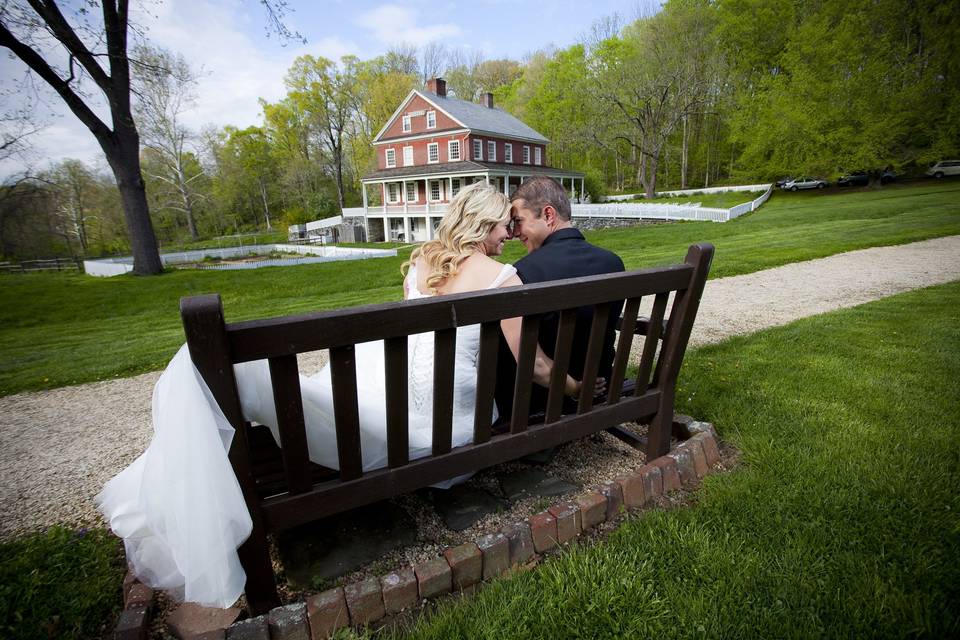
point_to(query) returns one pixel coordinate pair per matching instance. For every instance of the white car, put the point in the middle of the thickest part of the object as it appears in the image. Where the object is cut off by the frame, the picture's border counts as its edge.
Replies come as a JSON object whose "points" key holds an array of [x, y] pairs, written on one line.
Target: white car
{"points": [[804, 183], [945, 168]]}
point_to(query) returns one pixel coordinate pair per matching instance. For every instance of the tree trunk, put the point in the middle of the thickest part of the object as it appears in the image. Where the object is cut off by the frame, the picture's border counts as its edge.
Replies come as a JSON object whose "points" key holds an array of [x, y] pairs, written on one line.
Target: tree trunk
{"points": [[186, 199], [684, 153], [650, 180], [124, 159], [263, 198]]}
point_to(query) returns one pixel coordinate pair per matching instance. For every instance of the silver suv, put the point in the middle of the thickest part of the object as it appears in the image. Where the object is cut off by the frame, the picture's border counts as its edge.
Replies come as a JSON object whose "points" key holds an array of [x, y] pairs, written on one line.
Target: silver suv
{"points": [[945, 168]]}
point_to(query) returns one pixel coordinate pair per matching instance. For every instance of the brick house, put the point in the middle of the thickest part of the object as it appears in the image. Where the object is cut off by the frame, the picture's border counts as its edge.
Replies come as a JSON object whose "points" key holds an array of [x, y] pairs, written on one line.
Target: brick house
{"points": [[433, 146]]}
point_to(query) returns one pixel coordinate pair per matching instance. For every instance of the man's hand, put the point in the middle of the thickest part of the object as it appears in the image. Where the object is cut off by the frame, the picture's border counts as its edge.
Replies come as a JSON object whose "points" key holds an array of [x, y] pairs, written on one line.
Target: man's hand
{"points": [[600, 388]]}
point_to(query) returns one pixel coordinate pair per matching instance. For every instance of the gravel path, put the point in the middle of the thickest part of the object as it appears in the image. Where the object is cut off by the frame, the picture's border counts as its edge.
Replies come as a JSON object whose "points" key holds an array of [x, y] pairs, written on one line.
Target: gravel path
{"points": [[59, 447]]}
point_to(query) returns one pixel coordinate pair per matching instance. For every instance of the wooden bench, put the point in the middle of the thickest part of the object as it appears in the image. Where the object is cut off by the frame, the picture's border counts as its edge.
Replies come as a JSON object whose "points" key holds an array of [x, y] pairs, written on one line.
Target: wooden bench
{"points": [[289, 490]]}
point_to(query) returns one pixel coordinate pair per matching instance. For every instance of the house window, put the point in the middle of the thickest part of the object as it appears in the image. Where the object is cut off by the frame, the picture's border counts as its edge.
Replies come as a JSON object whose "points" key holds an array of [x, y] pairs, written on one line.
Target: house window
{"points": [[433, 153], [411, 192], [431, 119], [434, 191], [393, 192], [478, 149], [453, 150], [491, 150], [526, 154], [454, 186], [406, 124], [407, 156], [537, 155], [508, 152], [391, 158]]}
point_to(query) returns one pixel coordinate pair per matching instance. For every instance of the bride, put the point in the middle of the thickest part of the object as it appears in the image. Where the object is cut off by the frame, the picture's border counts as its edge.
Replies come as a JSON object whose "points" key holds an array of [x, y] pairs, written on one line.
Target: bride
{"points": [[178, 507]]}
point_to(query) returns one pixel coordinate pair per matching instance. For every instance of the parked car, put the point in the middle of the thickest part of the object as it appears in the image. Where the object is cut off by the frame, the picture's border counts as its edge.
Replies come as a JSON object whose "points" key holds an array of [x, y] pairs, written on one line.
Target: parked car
{"points": [[782, 181], [854, 180], [945, 168], [887, 176], [805, 183]]}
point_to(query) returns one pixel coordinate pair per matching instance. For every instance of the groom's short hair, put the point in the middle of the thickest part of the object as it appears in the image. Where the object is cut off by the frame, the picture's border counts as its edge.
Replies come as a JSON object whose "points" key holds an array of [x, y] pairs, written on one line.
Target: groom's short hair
{"points": [[539, 191]]}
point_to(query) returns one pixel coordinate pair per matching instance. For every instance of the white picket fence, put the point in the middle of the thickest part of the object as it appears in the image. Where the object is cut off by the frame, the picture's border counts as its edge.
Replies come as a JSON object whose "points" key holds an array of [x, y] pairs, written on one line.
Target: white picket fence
{"points": [[693, 211]]}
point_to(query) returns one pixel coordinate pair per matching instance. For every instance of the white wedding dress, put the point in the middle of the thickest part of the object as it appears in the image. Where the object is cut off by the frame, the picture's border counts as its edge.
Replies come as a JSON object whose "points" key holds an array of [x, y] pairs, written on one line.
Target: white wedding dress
{"points": [[178, 506]]}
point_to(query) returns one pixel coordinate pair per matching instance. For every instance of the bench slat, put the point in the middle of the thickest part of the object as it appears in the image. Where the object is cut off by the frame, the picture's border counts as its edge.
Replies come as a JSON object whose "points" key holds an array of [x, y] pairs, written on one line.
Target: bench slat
{"points": [[529, 331], [598, 327], [397, 399], [624, 343], [258, 339], [486, 380], [283, 512], [561, 364], [285, 380], [343, 371], [650, 342], [444, 354]]}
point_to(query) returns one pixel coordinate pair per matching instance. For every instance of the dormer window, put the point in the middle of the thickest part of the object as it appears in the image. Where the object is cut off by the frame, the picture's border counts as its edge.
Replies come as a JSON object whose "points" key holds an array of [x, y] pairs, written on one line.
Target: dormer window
{"points": [[391, 157], [453, 150], [491, 150], [433, 153], [407, 127], [526, 154], [431, 119], [478, 149], [537, 155], [508, 152]]}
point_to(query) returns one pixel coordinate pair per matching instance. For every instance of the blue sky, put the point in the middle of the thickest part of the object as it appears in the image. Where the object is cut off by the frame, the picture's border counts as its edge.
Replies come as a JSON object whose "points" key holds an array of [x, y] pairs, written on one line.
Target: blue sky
{"points": [[239, 63]]}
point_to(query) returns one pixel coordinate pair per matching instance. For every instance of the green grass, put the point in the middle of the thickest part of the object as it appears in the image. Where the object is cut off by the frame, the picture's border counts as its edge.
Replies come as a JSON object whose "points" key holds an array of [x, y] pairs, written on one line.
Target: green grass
{"points": [[842, 519], [60, 584], [61, 329], [724, 200]]}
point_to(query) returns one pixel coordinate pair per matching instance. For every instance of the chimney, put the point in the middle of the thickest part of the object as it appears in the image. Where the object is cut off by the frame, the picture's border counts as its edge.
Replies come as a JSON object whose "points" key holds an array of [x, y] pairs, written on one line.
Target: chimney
{"points": [[437, 86], [488, 100]]}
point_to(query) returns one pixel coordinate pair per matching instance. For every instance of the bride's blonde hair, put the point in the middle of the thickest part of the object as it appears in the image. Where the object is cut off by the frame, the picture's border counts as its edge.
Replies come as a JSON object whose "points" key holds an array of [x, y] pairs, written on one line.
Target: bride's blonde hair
{"points": [[472, 215]]}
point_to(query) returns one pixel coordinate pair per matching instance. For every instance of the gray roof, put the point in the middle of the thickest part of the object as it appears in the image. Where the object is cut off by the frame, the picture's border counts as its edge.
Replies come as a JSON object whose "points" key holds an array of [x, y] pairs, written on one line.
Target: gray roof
{"points": [[468, 166], [477, 117]]}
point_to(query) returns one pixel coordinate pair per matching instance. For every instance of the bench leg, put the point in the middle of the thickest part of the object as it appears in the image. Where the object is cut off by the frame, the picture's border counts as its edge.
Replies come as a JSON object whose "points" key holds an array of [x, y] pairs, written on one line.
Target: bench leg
{"points": [[658, 436], [261, 587]]}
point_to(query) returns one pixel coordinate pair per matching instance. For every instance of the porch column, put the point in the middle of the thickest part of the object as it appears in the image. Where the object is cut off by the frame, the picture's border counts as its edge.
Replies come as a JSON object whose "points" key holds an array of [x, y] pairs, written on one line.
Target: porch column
{"points": [[449, 194], [403, 195], [487, 176], [506, 185], [406, 228], [583, 189]]}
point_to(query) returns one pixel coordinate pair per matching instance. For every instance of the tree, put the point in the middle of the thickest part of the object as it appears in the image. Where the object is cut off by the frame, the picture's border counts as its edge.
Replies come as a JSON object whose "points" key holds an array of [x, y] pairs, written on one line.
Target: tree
{"points": [[29, 27], [326, 95], [649, 86], [164, 88]]}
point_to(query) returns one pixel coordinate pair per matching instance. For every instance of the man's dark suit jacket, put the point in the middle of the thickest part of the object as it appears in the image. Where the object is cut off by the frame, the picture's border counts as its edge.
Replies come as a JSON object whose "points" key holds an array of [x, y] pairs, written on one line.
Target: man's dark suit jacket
{"points": [[563, 254]]}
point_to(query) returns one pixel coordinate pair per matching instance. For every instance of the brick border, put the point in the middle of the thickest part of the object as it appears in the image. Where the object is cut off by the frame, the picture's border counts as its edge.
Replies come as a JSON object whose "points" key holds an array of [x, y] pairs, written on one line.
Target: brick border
{"points": [[464, 567]]}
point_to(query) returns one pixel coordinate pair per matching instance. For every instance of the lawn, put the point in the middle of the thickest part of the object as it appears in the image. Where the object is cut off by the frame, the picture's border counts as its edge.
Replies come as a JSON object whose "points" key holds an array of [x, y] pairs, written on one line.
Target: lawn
{"points": [[61, 329], [724, 200], [841, 520]]}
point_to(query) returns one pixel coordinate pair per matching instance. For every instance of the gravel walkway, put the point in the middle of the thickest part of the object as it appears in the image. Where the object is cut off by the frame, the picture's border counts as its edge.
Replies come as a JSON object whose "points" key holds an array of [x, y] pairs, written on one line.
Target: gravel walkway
{"points": [[59, 447]]}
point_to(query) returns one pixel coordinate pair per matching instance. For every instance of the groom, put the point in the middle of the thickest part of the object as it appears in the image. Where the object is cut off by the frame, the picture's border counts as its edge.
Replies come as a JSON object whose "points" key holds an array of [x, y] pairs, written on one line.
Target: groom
{"points": [[555, 251]]}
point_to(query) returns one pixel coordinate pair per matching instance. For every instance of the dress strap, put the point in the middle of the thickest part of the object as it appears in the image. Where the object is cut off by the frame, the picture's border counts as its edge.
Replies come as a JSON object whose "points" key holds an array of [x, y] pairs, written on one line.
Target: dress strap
{"points": [[507, 272]]}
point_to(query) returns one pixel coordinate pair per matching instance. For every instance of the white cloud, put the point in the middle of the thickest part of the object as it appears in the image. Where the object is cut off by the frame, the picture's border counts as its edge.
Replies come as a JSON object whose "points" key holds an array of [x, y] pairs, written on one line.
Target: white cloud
{"points": [[393, 24]]}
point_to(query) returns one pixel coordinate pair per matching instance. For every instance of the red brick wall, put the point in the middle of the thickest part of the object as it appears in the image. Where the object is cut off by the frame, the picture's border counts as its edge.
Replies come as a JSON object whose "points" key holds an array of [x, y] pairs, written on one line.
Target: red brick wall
{"points": [[418, 123], [517, 150], [420, 149]]}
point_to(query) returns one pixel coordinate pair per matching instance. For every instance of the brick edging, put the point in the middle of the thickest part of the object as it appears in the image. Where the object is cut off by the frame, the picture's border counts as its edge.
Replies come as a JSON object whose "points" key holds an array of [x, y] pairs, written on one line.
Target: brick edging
{"points": [[464, 567]]}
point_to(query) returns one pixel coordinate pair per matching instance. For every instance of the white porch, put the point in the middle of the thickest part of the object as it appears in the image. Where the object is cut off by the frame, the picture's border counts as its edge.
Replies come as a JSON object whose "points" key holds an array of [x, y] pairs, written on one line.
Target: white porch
{"points": [[404, 216]]}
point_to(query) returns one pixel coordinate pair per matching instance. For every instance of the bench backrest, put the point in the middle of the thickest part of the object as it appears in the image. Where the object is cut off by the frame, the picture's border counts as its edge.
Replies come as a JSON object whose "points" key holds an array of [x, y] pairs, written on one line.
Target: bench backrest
{"points": [[215, 346]]}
